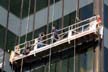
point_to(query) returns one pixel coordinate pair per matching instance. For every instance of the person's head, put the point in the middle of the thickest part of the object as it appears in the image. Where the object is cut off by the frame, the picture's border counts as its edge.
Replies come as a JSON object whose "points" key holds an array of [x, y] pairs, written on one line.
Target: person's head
{"points": [[53, 27], [99, 20], [98, 16], [40, 34], [27, 44], [17, 47], [43, 33]]}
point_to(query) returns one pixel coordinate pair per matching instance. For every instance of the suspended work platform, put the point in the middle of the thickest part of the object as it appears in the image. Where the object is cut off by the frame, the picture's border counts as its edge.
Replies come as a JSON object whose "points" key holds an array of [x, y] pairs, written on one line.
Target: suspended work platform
{"points": [[74, 34]]}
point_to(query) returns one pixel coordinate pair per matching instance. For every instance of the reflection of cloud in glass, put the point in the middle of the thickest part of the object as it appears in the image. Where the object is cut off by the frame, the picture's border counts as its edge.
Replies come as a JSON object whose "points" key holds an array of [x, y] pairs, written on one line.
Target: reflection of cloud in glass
{"points": [[105, 59], [1, 54], [1, 57], [105, 37], [106, 2]]}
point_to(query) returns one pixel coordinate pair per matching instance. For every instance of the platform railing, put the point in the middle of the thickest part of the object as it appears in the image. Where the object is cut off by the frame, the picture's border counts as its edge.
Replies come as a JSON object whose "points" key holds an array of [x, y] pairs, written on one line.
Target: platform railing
{"points": [[65, 32]]}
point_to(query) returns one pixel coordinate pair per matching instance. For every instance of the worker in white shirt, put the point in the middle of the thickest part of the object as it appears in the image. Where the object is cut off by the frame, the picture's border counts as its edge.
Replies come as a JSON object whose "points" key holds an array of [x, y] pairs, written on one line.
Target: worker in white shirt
{"points": [[94, 24]]}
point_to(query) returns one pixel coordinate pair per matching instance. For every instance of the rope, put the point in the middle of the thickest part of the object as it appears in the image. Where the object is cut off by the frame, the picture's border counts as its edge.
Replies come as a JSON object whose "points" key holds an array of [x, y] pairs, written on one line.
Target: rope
{"points": [[6, 35], [62, 25], [77, 11], [34, 19], [52, 39], [53, 13], [26, 33], [47, 27], [21, 69], [74, 54], [76, 19], [27, 25], [21, 11]]}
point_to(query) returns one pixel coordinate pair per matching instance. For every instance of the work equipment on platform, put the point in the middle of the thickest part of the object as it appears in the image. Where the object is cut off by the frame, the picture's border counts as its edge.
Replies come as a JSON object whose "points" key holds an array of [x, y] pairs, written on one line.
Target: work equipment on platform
{"points": [[66, 35]]}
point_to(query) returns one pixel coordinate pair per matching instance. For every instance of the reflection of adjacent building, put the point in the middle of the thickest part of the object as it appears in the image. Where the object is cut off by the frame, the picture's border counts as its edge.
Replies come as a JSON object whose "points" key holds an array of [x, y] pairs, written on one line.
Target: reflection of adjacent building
{"points": [[1, 57], [106, 35], [6, 61]]}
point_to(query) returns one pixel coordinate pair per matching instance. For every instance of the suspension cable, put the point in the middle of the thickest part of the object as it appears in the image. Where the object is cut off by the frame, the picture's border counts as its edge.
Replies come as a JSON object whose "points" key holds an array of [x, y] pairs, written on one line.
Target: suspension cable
{"points": [[48, 12], [27, 25], [53, 13], [52, 39], [6, 35], [77, 11], [47, 27], [22, 61], [62, 24], [34, 20], [21, 12], [74, 54], [76, 19]]}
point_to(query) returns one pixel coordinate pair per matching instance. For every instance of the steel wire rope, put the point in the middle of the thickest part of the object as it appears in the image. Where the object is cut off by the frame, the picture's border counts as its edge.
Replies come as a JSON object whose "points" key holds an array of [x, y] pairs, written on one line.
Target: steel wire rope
{"points": [[28, 18], [20, 28], [33, 36], [94, 48], [21, 12], [27, 28], [51, 39], [76, 19], [62, 24], [33, 32], [47, 27], [48, 13], [53, 13]]}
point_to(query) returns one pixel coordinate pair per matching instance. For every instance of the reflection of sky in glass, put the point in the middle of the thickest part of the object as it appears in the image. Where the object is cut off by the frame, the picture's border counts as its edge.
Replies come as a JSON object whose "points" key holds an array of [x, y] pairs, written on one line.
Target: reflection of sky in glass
{"points": [[106, 2], [1, 55], [106, 24], [105, 37], [86, 61]]}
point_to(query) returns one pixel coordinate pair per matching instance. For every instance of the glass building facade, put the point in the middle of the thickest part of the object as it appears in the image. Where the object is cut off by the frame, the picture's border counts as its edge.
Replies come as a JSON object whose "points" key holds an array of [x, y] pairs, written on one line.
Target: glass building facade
{"points": [[105, 36]]}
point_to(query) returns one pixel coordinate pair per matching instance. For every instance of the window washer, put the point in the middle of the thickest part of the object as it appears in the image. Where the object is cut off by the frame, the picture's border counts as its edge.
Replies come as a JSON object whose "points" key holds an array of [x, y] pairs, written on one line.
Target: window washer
{"points": [[40, 40], [94, 24], [55, 35], [27, 48], [17, 50]]}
